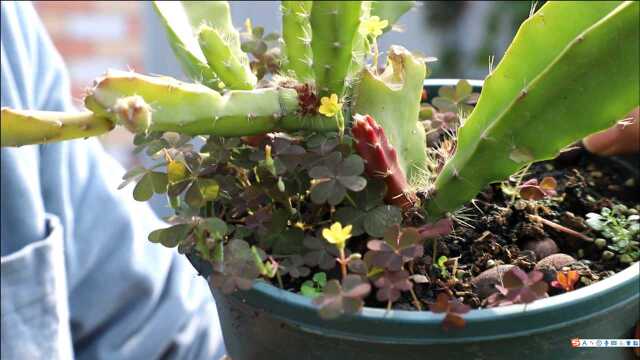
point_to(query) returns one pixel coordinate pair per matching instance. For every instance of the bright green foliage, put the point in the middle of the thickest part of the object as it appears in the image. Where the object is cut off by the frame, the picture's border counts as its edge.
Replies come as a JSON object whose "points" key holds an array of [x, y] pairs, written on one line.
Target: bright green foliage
{"points": [[296, 33], [393, 100], [334, 25], [313, 288], [559, 81]]}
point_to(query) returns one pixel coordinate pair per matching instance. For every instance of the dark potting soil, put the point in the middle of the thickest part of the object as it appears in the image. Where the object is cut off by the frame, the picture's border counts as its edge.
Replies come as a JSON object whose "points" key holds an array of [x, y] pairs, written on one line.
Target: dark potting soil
{"points": [[496, 229]]}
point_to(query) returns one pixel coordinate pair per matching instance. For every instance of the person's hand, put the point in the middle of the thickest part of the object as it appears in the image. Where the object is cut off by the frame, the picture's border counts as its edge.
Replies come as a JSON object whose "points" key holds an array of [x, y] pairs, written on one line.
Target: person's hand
{"points": [[622, 138]]}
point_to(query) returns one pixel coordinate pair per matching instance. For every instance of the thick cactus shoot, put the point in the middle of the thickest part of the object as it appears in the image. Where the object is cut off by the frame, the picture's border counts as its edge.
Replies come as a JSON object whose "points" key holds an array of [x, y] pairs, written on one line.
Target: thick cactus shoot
{"points": [[393, 99], [334, 25], [296, 34], [26, 127], [381, 160], [184, 43], [234, 71], [559, 79]]}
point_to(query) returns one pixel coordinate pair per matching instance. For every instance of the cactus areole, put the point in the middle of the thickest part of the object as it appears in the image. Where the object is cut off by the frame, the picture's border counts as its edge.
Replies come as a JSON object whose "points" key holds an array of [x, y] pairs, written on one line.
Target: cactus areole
{"points": [[319, 167]]}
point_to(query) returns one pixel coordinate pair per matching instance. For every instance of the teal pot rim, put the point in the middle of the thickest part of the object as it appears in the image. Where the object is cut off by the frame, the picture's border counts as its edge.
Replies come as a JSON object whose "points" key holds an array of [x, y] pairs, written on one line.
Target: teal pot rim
{"points": [[425, 327], [413, 327]]}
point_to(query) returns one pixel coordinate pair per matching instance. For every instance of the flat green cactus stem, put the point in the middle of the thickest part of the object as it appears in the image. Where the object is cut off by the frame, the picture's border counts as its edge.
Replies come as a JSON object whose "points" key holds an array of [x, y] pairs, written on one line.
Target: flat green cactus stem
{"points": [[334, 25], [296, 33], [393, 99], [570, 71], [195, 109], [390, 10], [26, 127]]}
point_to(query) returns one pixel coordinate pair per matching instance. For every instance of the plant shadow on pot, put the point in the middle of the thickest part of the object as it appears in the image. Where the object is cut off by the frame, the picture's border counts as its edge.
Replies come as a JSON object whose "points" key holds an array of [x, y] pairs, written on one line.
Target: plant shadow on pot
{"points": [[270, 323]]}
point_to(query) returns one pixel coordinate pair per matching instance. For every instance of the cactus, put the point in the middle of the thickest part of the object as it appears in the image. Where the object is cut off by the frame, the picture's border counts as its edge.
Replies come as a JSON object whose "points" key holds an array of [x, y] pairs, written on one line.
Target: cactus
{"points": [[183, 43], [232, 69], [393, 100], [195, 109], [381, 160], [296, 33], [334, 25], [390, 10], [548, 84], [24, 127], [218, 40]]}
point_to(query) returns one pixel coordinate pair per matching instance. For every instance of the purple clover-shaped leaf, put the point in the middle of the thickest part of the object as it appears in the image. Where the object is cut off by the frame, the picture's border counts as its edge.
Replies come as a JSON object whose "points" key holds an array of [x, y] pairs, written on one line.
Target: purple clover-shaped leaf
{"points": [[335, 176], [320, 253], [294, 266], [398, 247], [519, 287], [532, 190], [391, 284], [452, 308], [240, 269], [345, 298]]}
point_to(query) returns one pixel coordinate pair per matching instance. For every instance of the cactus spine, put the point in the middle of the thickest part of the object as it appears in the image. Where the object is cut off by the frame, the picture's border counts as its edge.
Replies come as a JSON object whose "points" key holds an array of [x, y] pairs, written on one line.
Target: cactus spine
{"points": [[548, 83], [296, 33]]}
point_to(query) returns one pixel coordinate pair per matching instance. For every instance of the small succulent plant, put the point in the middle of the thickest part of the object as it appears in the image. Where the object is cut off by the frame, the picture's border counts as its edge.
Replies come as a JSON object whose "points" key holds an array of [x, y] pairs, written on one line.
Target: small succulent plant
{"points": [[620, 227]]}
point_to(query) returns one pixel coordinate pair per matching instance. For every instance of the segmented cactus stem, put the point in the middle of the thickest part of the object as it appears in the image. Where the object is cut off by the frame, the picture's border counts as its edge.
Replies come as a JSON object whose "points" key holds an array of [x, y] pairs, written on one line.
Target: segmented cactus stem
{"points": [[334, 25], [296, 33], [26, 127]]}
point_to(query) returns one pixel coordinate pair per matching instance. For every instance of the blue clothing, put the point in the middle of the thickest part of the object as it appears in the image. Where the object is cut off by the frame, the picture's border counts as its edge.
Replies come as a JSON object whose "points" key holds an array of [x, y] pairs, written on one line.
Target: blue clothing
{"points": [[79, 278]]}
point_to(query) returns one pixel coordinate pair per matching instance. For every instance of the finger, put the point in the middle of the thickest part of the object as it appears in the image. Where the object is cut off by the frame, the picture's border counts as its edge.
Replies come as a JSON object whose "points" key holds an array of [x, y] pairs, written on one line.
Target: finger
{"points": [[622, 138]]}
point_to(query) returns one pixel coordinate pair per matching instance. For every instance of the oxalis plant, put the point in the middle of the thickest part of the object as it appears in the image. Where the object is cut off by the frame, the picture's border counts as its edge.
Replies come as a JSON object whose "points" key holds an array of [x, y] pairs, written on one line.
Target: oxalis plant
{"points": [[310, 157]]}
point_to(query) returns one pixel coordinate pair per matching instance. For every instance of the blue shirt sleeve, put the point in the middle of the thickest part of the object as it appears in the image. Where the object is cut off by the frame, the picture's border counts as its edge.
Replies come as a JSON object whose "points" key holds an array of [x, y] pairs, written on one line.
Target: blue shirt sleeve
{"points": [[127, 298]]}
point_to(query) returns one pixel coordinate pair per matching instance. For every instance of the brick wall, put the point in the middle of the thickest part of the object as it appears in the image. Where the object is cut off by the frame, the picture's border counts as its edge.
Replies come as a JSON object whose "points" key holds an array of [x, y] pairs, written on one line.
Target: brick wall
{"points": [[93, 36]]}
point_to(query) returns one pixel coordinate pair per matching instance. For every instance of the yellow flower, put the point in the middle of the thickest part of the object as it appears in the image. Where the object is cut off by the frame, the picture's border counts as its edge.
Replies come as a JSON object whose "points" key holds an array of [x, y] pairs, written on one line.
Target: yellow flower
{"points": [[372, 26], [329, 106], [337, 234]]}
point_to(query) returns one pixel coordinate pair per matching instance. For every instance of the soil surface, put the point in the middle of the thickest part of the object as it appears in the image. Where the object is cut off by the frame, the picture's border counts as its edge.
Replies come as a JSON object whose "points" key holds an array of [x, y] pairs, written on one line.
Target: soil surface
{"points": [[496, 231]]}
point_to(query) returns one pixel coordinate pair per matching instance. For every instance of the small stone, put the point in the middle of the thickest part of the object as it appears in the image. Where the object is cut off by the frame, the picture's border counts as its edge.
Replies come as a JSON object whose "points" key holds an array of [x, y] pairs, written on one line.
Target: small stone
{"points": [[607, 255], [600, 243], [542, 248], [554, 262], [485, 282], [625, 259]]}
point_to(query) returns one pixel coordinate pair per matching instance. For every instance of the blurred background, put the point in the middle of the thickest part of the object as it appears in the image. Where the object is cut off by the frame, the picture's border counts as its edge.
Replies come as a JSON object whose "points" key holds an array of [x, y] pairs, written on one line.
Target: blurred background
{"points": [[93, 36]]}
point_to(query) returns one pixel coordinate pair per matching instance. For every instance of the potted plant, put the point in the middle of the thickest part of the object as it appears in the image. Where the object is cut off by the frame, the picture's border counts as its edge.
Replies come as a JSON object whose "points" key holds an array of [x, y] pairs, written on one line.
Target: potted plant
{"points": [[338, 184]]}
